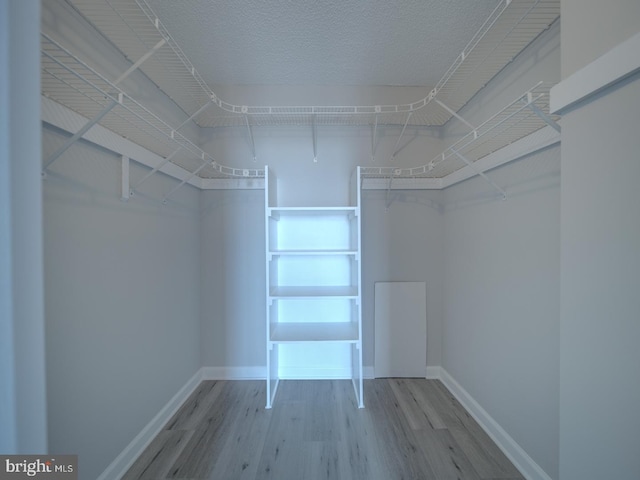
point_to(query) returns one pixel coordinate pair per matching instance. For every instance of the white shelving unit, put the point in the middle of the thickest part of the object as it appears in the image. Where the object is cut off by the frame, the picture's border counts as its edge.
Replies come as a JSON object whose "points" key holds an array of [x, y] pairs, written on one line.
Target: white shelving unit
{"points": [[313, 267]]}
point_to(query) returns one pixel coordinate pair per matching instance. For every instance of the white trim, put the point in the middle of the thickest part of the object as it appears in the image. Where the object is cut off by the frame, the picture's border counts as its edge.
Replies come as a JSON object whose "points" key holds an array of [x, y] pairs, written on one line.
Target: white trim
{"points": [[234, 373], [119, 466], [520, 459], [617, 64]]}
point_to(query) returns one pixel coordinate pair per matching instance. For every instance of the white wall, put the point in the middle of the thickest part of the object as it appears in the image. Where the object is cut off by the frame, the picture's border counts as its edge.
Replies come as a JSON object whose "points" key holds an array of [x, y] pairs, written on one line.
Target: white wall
{"points": [[22, 370], [501, 290], [600, 331], [502, 301], [403, 243], [122, 301], [590, 28], [232, 287]]}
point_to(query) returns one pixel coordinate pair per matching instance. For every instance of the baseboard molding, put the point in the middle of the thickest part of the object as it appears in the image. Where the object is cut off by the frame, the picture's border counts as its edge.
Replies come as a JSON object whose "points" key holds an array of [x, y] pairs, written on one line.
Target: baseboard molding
{"points": [[523, 462], [119, 466]]}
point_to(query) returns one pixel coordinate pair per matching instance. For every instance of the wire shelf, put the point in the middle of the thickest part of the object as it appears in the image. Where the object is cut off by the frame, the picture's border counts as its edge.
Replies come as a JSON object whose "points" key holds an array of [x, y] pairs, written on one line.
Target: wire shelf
{"points": [[514, 122], [72, 83], [135, 29]]}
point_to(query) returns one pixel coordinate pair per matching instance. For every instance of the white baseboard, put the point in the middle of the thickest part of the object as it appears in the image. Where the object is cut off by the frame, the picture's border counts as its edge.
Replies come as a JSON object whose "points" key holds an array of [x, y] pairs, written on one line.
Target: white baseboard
{"points": [[523, 462], [119, 466], [368, 372]]}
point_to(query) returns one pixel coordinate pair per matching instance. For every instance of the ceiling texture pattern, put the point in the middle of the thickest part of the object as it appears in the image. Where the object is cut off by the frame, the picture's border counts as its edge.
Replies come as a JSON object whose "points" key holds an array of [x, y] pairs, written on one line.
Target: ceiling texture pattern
{"points": [[192, 49]]}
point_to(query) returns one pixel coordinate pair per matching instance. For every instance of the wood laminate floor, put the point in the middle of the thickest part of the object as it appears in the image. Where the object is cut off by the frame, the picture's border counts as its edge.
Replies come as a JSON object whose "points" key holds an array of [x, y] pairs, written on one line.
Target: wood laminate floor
{"points": [[410, 429]]}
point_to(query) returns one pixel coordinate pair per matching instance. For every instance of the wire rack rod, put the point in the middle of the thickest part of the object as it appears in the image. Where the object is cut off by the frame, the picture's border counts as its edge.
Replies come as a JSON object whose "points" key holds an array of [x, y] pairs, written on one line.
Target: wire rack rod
{"points": [[71, 82]]}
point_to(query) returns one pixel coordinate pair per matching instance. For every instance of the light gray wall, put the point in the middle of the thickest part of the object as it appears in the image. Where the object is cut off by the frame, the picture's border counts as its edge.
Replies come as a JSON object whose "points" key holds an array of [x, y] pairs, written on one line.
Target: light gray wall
{"points": [[403, 243], [502, 300], [501, 290], [122, 301], [600, 331], [590, 28], [232, 287], [600, 360], [22, 364]]}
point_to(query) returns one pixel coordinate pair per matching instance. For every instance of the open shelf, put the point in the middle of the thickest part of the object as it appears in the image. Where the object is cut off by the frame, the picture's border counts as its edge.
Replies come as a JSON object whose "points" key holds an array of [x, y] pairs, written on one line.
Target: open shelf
{"points": [[313, 252], [73, 83], [313, 292], [525, 115], [299, 332]]}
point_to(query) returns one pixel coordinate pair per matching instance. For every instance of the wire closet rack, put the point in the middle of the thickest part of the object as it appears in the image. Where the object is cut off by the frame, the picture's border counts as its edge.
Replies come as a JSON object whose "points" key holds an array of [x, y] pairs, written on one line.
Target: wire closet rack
{"points": [[136, 31]]}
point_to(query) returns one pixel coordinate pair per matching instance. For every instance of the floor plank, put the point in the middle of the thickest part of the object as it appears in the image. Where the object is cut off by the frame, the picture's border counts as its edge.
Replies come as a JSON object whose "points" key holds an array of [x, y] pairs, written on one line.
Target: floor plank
{"points": [[410, 429]]}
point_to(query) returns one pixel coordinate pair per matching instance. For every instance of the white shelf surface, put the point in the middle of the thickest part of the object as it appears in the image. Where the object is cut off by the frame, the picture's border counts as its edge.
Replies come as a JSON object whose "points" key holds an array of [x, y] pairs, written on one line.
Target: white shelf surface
{"points": [[309, 211], [297, 332], [313, 252], [314, 292]]}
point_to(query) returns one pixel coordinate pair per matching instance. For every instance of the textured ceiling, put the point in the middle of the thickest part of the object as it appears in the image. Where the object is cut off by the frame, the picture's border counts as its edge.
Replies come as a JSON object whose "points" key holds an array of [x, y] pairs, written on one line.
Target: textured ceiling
{"points": [[328, 42]]}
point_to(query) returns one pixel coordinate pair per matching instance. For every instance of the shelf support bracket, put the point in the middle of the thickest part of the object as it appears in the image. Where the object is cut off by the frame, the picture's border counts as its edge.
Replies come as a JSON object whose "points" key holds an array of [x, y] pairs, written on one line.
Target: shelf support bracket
{"points": [[189, 177], [480, 172], [55, 155], [455, 114], [388, 199], [546, 118], [374, 140], [314, 132], [396, 149], [195, 115], [140, 61], [250, 130], [125, 192], [155, 169]]}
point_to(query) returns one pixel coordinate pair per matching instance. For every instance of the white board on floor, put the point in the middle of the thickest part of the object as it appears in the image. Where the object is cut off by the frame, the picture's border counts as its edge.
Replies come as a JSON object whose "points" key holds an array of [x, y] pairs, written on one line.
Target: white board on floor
{"points": [[400, 329]]}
